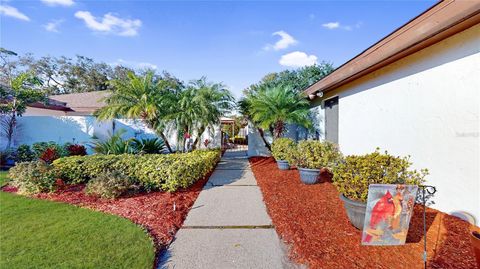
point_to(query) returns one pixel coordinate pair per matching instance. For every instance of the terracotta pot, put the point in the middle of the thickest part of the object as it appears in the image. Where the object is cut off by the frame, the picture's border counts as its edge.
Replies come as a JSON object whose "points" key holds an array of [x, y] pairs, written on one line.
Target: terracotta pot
{"points": [[283, 165], [475, 238], [355, 211], [309, 176]]}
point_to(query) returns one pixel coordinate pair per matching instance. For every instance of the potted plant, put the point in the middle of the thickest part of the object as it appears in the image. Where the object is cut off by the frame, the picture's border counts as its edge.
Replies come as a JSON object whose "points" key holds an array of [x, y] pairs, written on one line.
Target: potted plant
{"points": [[312, 155], [282, 151], [354, 174], [475, 239]]}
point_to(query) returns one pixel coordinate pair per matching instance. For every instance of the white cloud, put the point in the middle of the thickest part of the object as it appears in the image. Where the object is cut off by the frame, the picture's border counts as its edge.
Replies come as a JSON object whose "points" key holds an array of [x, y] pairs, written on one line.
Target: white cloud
{"points": [[297, 59], [285, 41], [135, 65], [65, 3], [13, 12], [52, 26], [338, 25], [110, 24], [331, 25]]}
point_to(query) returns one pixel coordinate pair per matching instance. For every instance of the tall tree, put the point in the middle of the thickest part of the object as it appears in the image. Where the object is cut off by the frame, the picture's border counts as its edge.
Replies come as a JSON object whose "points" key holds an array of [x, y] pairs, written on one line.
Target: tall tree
{"points": [[23, 90], [144, 97]]}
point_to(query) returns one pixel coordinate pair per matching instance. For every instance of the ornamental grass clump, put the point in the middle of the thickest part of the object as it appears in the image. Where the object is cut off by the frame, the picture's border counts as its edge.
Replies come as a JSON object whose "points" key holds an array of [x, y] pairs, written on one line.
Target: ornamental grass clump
{"points": [[33, 177], [354, 174], [283, 149], [314, 154]]}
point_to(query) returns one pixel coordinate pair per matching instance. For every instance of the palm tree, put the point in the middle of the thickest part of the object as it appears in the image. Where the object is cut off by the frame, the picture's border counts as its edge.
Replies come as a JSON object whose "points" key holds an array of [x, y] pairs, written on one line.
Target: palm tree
{"points": [[201, 105], [273, 108], [144, 97]]}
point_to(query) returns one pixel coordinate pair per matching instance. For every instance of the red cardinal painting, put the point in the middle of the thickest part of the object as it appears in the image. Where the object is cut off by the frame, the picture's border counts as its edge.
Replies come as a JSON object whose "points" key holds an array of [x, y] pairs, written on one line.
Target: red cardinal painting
{"points": [[383, 210]]}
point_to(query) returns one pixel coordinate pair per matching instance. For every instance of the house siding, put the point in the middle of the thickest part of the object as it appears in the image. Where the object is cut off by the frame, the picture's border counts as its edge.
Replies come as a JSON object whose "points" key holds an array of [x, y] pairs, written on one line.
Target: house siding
{"points": [[425, 105]]}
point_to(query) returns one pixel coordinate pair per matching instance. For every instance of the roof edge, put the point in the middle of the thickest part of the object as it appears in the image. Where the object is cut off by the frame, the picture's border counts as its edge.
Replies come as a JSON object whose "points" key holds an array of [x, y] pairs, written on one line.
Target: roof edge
{"points": [[435, 24]]}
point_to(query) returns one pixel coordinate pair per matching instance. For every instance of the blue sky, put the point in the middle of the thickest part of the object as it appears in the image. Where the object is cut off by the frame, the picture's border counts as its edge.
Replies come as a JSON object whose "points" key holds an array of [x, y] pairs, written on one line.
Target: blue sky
{"points": [[236, 42]]}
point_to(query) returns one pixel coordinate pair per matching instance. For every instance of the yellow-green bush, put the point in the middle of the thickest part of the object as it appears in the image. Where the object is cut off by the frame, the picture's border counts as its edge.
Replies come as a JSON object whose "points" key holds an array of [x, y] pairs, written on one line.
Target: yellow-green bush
{"points": [[167, 172], [354, 174], [283, 149], [314, 154], [33, 177]]}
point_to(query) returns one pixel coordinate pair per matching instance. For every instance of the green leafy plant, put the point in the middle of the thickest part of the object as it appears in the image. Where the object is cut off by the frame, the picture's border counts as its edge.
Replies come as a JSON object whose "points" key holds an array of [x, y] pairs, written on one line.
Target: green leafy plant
{"points": [[25, 154], [33, 177], [283, 149], [314, 154], [355, 173], [110, 185], [148, 146], [115, 144], [167, 172], [39, 148]]}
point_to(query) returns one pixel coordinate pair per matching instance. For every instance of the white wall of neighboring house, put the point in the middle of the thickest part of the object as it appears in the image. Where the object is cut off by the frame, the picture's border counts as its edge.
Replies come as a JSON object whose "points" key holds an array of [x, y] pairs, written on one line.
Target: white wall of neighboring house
{"points": [[81, 129], [425, 105]]}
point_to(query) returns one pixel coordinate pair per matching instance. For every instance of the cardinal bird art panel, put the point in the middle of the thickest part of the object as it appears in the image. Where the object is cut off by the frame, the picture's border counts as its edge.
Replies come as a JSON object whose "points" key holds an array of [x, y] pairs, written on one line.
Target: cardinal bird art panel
{"points": [[389, 209]]}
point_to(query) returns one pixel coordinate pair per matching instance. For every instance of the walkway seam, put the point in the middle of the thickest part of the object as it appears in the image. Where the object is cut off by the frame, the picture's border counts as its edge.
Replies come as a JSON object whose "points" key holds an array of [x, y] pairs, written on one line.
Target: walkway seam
{"points": [[230, 227]]}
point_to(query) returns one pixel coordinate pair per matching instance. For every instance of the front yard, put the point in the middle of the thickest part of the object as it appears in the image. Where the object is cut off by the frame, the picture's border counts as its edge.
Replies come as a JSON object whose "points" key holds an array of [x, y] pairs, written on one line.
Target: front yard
{"points": [[312, 221], [44, 234]]}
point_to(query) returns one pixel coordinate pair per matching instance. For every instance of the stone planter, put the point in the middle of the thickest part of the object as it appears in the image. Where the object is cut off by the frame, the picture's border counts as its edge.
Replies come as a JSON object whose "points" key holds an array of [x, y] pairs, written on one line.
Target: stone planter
{"points": [[309, 176], [283, 165], [355, 211]]}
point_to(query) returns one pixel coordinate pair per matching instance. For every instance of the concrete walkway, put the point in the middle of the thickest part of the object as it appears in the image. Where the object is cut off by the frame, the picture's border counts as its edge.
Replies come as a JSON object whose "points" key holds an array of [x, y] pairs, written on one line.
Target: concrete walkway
{"points": [[228, 226]]}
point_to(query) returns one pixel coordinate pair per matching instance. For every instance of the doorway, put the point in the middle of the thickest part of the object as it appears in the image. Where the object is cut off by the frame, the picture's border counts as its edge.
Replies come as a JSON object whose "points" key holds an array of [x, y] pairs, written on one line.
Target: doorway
{"points": [[331, 119]]}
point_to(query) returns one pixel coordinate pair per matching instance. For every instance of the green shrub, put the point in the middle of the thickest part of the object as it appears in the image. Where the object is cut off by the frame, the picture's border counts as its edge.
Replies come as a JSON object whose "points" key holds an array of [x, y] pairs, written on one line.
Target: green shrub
{"points": [[114, 145], [283, 149], [167, 172], [33, 177], [110, 185], [40, 148], [354, 174], [314, 154], [25, 154], [148, 146]]}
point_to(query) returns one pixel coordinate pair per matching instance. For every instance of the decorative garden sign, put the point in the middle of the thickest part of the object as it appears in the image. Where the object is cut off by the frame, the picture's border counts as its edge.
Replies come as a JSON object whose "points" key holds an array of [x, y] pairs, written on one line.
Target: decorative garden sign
{"points": [[388, 213]]}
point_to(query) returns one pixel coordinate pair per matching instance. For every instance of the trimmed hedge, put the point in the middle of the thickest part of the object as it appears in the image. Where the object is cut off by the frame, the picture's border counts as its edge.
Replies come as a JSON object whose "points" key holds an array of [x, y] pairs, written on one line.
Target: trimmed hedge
{"points": [[167, 172], [283, 149]]}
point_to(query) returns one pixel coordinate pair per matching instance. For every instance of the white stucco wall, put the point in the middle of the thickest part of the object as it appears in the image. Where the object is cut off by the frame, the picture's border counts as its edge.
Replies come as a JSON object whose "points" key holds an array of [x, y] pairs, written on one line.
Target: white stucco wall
{"points": [[256, 146], [427, 106], [81, 129]]}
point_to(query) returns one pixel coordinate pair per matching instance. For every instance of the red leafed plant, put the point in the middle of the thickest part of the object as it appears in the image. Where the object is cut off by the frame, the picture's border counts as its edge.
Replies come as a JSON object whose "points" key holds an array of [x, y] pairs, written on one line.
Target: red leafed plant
{"points": [[49, 155], [76, 150], [206, 142]]}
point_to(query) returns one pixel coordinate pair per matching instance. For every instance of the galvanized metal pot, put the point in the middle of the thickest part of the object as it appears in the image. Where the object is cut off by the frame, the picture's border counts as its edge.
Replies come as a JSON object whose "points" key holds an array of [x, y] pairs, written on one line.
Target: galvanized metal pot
{"points": [[355, 211], [309, 176], [283, 165]]}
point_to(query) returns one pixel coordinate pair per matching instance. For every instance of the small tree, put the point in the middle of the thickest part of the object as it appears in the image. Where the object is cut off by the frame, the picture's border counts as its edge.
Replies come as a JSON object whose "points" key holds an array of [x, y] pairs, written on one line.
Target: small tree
{"points": [[15, 98]]}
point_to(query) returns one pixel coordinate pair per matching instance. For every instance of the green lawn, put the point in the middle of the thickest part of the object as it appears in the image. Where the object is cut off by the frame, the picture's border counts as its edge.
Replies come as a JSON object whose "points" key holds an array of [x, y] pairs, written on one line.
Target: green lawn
{"points": [[43, 234]]}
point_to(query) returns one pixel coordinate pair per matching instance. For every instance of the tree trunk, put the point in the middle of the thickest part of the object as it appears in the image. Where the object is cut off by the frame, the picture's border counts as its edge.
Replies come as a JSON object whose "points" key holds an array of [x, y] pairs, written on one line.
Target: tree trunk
{"points": [[162, 135], [262, 134], [197, 139]]}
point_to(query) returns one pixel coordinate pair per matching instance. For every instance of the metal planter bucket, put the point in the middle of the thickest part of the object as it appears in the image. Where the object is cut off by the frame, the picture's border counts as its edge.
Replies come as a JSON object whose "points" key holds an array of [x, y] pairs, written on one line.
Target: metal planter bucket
{"points": [[283, 165], [355, 211], [309, 176]]}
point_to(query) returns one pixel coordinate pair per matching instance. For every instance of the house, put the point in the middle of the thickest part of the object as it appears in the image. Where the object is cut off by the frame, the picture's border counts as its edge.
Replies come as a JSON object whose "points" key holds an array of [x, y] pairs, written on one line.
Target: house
{"points": [[415, 92], [69, 118]]}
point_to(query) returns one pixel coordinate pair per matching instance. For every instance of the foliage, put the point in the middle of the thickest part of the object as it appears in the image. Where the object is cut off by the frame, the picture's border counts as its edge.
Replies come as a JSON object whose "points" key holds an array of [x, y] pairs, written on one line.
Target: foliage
{"points": [[147, 97], [314, 154], [148, 146], [22, 91], [49, 234], [49, 155], [167, 172], [297, 80], [115, 144], [40, 148], [110, 185], [25, 154], [355, 173], [33, 177], [272, 108], [76, 150], [283, 149]]}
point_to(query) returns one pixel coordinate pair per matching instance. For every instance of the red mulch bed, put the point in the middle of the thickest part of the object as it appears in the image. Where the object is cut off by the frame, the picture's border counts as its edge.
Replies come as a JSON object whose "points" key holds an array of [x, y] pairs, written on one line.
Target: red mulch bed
{"points": [[154, 211], [312, 221]]}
